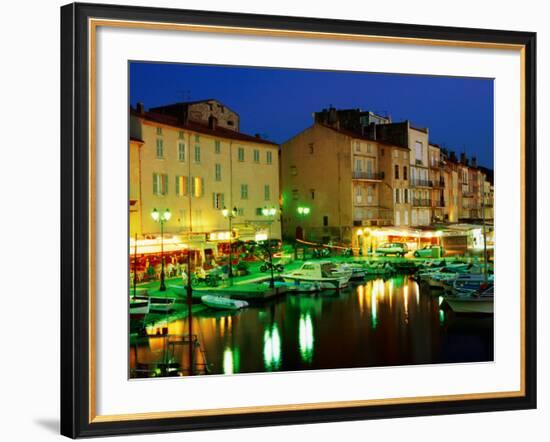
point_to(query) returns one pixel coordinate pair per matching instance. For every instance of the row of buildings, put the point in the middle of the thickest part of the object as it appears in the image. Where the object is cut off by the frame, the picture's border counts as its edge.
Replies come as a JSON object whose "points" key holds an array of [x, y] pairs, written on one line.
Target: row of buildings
{"points": [[354, 170]]}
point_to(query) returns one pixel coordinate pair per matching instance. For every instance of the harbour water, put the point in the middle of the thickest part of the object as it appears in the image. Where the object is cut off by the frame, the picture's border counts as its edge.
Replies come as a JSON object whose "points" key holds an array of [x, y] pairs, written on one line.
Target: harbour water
{"points": [[376, 323]]}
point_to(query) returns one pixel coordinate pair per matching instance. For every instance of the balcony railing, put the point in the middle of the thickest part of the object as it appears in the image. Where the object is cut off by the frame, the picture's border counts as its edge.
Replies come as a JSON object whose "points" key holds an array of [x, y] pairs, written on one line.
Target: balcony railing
{"points": [[374, 176], [421, 183], [420, 202]]}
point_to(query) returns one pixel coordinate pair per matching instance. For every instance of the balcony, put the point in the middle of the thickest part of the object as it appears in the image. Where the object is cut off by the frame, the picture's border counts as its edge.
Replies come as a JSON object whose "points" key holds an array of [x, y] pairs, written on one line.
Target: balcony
{"points": [[367, 176], [421, 183], [420, 202]]}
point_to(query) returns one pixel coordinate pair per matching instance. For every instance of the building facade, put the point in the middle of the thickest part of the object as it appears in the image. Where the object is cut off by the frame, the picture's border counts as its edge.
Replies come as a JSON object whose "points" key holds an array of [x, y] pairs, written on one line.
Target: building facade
{"points": [[348, 182], [195, 170]]}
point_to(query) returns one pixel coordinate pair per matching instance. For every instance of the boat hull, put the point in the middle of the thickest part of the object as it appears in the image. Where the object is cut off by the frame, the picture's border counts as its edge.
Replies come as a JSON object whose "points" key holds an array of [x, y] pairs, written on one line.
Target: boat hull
{"points": [[469, 305]]}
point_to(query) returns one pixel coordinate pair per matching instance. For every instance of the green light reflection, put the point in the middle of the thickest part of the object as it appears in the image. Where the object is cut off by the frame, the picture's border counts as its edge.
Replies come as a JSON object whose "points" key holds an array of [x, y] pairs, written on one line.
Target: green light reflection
{"points": [[272, 348], [306, 337]]}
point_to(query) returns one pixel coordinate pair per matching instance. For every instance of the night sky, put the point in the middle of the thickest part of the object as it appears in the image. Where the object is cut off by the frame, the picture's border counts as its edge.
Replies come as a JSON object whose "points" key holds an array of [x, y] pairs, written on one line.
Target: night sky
{"points": [[278, 103]]}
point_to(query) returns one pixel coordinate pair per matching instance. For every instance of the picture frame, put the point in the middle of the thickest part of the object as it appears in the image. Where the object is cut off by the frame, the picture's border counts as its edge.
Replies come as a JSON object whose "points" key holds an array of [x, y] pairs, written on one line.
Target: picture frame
{"points": [[79, 178]]}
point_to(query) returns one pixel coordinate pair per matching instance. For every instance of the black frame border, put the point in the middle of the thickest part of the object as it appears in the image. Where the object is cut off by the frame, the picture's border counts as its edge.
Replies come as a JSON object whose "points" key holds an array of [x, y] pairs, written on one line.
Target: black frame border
{"points": [[75, 219]]}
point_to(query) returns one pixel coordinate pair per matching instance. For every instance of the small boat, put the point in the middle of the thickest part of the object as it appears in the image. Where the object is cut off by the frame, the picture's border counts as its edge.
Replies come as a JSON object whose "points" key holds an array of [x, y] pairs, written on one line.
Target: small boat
{"points": [[139, 307], [327, 274], [223, 303], [469, 283], [161, 304], [481, 301], [296, 286], [379, 268], [358, 272]]}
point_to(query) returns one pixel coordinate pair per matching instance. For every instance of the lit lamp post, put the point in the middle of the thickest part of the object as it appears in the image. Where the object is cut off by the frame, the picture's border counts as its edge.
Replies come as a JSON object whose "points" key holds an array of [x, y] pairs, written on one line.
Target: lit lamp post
{"points": [[230, 215], [302, 211], [161, 219], [360, 241], [270, 212]]}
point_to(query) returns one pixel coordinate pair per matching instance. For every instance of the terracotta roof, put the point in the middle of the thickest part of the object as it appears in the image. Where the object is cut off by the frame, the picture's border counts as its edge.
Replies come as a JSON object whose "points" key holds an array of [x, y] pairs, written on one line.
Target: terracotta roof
{"points": [[201, 128]]}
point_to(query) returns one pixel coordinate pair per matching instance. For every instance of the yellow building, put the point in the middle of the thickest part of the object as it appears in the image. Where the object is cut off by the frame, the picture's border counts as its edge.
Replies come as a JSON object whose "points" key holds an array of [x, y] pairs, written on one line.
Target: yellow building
{"points": [[347, 181], [195, 170], [437, 179]]}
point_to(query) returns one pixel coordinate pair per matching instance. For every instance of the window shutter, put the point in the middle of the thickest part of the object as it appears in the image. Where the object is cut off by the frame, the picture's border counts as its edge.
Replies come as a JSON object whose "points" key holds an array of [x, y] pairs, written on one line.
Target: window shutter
{"points": [[202, 186], [214, 200], [165, 187], [155, 184], [193, 186], [222, 205], [177, 186]]}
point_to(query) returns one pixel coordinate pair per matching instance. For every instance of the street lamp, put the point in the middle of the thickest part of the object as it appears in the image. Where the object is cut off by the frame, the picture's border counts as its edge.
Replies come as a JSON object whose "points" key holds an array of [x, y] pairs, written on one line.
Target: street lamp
{"points": [[230, 215], [270, 212], [302, 211], [161, 219]]}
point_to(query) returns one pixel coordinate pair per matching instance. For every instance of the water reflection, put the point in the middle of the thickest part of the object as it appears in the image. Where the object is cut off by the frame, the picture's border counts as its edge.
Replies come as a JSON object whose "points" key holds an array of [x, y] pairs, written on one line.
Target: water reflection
{"points": [[306, 338], [369, 324]]}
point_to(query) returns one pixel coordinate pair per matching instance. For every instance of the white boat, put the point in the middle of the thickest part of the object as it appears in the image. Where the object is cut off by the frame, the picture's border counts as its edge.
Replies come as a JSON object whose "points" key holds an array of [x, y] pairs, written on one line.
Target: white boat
{"points": [[161, 304], [139, 306], [223, 303], [326, 273], [481, 301], [379, 268], [296, 286]]}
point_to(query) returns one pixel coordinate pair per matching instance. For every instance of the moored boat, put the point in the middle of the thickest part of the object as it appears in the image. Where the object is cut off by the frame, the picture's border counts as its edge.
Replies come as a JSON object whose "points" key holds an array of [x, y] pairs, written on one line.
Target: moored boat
{"points": [[481, 301], [327, 274], [223, 303], [139, 307]]}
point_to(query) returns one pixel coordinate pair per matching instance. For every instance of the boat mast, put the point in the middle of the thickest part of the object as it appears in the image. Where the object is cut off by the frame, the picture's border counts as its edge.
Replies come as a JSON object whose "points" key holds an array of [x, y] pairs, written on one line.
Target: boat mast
{"points": [[484, 233], [135, 265]]}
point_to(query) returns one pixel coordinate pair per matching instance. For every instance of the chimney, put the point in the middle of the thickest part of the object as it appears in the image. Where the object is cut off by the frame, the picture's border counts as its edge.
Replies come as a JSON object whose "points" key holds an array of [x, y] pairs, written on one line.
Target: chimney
{"points": [[257, 135], [453, 156], [140, 108], [463, 158], [474, 161], [212, 122], [371, 131]]}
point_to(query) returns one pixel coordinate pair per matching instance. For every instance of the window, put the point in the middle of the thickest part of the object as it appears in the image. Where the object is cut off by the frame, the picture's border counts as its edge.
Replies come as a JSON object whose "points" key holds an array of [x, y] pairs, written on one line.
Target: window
{"points": [[218, 201], [244, 191], [312, 193], [295, 194], [240, 154], [404, 172], [397, 195], [397, 220], [369, 168], [160, 184], [325, 220], [217, 146], [370, 193], [240, 211], [181, 135], [406, 196], [357, 146], [197, 153], [358, 195], [406, 218], [311, 148], [256, 156], [159, 130], [197, 138], [197, 187], [396, 153], [396, 168], [269, 157], [267, 195], [160, 148], [293, 170], [181, 151], [369, 148], [358, 165], [218, 172], [182, 185], [418, 148]]}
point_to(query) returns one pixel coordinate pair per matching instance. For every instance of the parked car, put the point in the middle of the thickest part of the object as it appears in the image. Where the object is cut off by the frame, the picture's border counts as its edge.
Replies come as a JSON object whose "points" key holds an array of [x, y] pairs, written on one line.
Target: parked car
{"points": [[394, 248], [428, 252]]}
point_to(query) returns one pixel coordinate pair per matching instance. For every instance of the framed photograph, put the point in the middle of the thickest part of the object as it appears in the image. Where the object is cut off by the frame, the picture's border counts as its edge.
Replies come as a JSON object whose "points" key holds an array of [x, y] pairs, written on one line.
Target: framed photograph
{"points": [[274, 220]]}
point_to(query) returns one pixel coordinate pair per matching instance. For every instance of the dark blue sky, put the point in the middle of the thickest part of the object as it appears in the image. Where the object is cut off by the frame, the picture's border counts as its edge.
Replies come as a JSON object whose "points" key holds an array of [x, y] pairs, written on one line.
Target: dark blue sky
{"points": [[278, 103]]}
